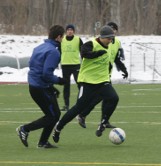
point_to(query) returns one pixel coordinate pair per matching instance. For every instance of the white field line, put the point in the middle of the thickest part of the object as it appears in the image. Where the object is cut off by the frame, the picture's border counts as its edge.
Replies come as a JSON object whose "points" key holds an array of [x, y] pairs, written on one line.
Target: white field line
{"points": [[97, 107], [88, 122], [154, 89], [36, 109], [122, 112]]}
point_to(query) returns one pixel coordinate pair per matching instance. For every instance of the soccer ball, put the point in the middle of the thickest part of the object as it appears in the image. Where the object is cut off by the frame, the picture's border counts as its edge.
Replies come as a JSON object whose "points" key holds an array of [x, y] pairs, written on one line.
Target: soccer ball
{"points": [[117, 136]]}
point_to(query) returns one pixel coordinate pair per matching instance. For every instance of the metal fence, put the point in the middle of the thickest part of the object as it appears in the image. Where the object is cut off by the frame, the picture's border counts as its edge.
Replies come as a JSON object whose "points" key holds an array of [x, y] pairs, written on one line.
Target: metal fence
{"points": [[145, 62]]}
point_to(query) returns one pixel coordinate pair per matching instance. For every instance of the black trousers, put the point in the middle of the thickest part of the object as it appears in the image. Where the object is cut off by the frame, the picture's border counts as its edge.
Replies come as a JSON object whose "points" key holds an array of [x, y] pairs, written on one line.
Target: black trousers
{"points": [[67, 71], [47, 101], [91, 106], [88, 94]]}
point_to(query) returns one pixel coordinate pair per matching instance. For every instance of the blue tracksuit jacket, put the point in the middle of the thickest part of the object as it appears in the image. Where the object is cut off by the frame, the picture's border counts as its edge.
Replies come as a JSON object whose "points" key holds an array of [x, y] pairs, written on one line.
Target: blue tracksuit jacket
{"points": [[44, 60]]}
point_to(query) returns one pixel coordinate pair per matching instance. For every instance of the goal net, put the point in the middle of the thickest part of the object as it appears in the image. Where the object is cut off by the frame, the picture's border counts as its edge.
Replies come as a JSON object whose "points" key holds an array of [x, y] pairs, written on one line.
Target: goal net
{"points": [[145, 62]]}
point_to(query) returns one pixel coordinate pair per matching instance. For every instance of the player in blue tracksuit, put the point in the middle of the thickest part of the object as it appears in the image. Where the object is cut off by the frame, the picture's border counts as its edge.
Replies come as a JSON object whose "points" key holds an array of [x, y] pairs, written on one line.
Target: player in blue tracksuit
{"points": [[44, 60]]}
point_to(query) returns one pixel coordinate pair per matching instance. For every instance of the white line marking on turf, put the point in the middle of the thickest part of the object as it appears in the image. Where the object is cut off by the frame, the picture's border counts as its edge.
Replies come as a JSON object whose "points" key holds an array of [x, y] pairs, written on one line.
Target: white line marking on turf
{"points": [[98, 107], [73, 122], [27, 108], [153, 89], [140, 106], [122, 112]]}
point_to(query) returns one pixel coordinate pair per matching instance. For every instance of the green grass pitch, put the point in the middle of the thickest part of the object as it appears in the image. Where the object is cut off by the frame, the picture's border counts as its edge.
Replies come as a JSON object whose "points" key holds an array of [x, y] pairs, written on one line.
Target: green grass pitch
{"points": [[138, 113]]}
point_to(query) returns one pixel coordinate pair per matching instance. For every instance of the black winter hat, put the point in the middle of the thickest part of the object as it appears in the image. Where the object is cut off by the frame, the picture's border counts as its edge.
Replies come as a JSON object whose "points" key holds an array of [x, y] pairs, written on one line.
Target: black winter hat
{"points": [[113, 25], [106, 32], [70, 26]]}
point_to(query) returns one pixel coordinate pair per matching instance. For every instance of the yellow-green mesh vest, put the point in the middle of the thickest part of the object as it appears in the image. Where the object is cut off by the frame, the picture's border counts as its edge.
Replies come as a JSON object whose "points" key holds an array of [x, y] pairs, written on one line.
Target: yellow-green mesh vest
{"points": [[113, 49], [95, 71], [70, 51]]}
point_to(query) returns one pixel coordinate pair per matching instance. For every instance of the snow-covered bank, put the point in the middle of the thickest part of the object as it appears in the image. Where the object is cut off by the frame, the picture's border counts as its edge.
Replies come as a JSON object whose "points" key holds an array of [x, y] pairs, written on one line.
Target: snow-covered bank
{"points": [[22, 46]]}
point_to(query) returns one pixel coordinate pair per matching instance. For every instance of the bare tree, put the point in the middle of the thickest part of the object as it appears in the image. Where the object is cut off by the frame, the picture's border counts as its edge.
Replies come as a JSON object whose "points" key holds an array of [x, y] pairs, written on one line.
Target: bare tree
{"points": [[158, 14], [36, 16]]}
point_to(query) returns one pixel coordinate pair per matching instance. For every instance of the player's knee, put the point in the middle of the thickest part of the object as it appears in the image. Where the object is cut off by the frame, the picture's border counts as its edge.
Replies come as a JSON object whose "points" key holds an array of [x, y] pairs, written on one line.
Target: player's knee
{"points": [[115, 98]]}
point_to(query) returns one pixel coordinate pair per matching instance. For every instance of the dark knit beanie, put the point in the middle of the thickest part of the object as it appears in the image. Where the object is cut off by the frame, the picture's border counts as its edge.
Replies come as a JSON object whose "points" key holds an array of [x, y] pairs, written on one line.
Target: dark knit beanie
{"points": [[106, 32], [70, 26]]}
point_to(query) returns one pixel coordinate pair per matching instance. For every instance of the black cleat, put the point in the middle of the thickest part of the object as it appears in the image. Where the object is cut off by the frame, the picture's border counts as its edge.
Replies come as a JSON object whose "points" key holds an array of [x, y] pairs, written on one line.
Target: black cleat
{"points": [[100, 129], [56, 136], [108, 125], [46, 145], [22, 135], [81, 121]]}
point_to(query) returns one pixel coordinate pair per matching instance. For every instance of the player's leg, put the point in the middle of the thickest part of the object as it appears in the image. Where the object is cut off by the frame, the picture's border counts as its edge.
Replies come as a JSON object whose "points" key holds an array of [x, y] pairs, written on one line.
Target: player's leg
{"points": [[54, 107], [110, 101], [108, 124], [75, 73], [82, 116], [86, 94], [66, 90], [41, 97]]}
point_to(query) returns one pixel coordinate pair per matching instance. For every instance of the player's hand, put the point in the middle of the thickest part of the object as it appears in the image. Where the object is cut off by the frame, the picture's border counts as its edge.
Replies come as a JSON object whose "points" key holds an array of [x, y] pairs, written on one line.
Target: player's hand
{"points": [[62, 81], [125, 75]]}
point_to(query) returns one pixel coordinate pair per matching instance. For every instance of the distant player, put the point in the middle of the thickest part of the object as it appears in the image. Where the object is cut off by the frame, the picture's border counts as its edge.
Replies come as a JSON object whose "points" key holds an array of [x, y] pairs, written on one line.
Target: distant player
{"points": [[70, 60]]}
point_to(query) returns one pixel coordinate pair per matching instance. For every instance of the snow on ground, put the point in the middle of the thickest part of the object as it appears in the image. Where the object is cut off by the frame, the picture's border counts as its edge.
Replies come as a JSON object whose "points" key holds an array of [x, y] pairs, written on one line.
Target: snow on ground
{"points": [[22, 46]]}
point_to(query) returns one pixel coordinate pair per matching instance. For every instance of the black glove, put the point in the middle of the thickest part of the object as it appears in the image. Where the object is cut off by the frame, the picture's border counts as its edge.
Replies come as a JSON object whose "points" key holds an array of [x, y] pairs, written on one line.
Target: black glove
{"points": [[125, 75], [100, 52], [62, 81], [56, 92]]}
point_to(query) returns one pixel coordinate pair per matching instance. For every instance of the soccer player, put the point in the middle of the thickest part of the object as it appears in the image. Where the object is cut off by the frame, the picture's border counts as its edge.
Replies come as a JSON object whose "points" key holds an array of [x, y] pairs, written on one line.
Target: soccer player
{"points": [[70, 60], [116, 56], [44, 60], [94, 77]]}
